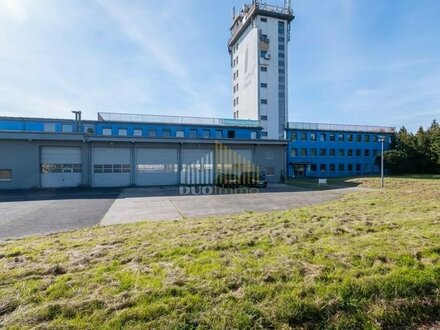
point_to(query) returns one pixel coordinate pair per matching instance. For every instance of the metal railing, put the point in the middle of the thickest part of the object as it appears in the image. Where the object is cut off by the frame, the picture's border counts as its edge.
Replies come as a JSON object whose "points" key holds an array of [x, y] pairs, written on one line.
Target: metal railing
{"points": [[179, 120], [339, 127]]}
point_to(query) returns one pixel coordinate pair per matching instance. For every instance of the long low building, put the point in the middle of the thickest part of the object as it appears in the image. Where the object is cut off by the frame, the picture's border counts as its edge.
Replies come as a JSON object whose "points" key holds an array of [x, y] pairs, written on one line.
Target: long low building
{"points": [[133, 150]]}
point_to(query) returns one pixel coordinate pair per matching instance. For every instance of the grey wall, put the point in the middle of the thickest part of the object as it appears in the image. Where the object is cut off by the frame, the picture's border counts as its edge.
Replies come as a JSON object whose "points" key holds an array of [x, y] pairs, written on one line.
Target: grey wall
{"points": [[271, 156], [23, 158]]}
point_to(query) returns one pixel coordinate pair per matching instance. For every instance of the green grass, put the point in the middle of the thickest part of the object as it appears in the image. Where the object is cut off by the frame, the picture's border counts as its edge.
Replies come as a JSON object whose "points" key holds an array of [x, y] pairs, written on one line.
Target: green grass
{"points": [[370, 260]]}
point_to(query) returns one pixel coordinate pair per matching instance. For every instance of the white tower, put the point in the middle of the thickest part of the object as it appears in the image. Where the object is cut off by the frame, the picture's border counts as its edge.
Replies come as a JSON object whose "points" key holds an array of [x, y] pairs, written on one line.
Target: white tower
{"points": [[258, 48]]}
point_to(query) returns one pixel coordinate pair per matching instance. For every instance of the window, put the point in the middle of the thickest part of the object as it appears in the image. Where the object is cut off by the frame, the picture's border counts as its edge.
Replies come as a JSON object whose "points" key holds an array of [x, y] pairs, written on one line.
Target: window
{"points": [[350, 152], [263, 117], [332, 137], [332, 152], [375, 138], [281, 55], [303, 152], [313, 152], [49, 127], [111, 168], [219, 134], [263, 19], [122, 132], [293, 152], [367, 138], [253, 135], [303, 136], [206, 134], [5, 174], [180, 133], [166, 132], [106, 131], [341, 137], [332, 167], [137, 132], [312, 136], [263, 85], [350, 137], [231, 134], [341, 167], [367, 152], [358, 138], [280, 47], [193, 133], [323, 152], [89, 129], [270, 171], [323, 168], [263, 69], [263, 101], [149, 168], [341, 152], [293, 136], [358, 152], [281, 39], [152, 132], [61, 168], [350, 167], [358, 167], [263, 53], [313, 168], [67, 128], [323, 137], [264, 134]]}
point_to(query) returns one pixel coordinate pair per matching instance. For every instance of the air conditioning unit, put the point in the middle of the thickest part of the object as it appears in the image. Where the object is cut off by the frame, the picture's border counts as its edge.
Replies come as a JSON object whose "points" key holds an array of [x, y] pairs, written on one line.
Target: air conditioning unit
{"points": [[267, 57]]}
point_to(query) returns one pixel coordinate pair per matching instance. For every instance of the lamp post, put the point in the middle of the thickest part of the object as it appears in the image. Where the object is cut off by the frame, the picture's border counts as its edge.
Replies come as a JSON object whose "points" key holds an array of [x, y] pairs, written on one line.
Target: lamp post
{"points": [[381, 140]]}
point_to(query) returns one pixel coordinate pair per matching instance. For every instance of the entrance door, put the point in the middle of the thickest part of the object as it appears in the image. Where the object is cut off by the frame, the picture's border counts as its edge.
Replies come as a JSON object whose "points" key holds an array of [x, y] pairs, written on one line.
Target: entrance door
{"points": [[299, 170]]}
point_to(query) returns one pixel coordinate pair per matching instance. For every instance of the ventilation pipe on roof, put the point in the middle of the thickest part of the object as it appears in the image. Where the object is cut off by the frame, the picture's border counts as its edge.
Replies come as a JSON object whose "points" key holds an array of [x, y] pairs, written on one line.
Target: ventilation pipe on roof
{"points": [[77, 121]]}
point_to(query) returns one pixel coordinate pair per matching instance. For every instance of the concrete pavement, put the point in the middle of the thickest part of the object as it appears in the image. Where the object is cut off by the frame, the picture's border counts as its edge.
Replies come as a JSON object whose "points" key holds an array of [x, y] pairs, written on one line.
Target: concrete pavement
{"points": [[158, 204]]}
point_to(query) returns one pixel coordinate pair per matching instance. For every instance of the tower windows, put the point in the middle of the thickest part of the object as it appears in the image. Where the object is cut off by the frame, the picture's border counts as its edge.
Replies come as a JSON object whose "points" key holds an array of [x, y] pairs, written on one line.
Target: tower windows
{"points": [[263, 85], [263, 101], [263, 69], [263, 19]]}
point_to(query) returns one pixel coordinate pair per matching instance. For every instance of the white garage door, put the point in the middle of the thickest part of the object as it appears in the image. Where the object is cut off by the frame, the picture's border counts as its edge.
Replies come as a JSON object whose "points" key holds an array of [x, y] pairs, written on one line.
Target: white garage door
{"points": [[197, 166], [155, 167], [60, 167], [111, 167]]}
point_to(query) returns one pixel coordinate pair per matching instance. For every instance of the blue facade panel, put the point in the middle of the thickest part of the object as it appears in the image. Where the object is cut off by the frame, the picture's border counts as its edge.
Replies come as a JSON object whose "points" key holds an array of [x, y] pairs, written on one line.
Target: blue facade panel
{"points": [[334, 153], [129, 129]]}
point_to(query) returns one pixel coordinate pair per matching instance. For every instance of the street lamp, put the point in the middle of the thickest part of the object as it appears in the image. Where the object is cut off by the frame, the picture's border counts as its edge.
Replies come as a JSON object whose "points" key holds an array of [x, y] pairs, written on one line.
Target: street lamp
{"points": [[381, 140]]}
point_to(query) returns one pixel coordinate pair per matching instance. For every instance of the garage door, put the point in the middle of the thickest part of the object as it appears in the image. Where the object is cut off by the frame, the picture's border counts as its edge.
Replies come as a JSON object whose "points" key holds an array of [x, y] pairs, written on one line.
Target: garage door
{"points": [[197, 166], [60, 167], [111, 167], [155, 167]]}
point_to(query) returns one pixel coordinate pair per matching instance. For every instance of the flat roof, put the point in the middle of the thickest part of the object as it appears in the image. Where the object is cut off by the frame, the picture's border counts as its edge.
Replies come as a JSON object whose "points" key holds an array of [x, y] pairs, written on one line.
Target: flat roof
{"points": [[340, 127], [179, 120]]}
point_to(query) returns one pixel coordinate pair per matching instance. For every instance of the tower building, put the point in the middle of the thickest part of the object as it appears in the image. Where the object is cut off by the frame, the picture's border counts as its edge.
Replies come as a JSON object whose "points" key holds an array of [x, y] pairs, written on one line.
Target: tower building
{"points": [[258, 48]]}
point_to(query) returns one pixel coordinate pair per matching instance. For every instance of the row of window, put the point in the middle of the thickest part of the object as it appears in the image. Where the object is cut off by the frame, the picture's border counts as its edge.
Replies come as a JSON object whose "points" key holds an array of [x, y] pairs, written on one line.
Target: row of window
{"points": [[179, 133], [340, 137], [303, 152], [111, 168], [342, 167], [61, 168], [235, 74], [235, 88]]}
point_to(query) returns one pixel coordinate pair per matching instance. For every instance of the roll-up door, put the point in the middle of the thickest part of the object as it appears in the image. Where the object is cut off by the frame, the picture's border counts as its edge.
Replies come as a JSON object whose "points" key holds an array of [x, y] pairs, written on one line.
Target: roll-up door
{"points": [[197, 166], [111, 167], [60, 167], [155, 167]]}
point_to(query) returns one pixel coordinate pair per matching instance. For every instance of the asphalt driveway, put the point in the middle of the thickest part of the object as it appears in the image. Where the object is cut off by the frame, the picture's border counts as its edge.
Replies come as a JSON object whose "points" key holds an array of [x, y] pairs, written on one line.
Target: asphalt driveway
{"points": [[24, 213]]}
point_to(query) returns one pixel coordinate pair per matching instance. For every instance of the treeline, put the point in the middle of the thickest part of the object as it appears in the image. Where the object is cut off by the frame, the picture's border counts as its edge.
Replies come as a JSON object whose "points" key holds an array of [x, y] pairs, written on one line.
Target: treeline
{"points": [[415, 153]]}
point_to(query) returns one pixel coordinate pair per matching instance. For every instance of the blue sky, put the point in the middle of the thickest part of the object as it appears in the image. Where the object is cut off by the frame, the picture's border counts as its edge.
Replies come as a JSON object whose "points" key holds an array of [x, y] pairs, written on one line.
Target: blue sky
{"points": [[360, 62]]}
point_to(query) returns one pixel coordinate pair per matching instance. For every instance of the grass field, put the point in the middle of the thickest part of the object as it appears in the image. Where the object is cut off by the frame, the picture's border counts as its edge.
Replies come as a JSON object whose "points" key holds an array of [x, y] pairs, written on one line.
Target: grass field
{"points": [[369, 260]]}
